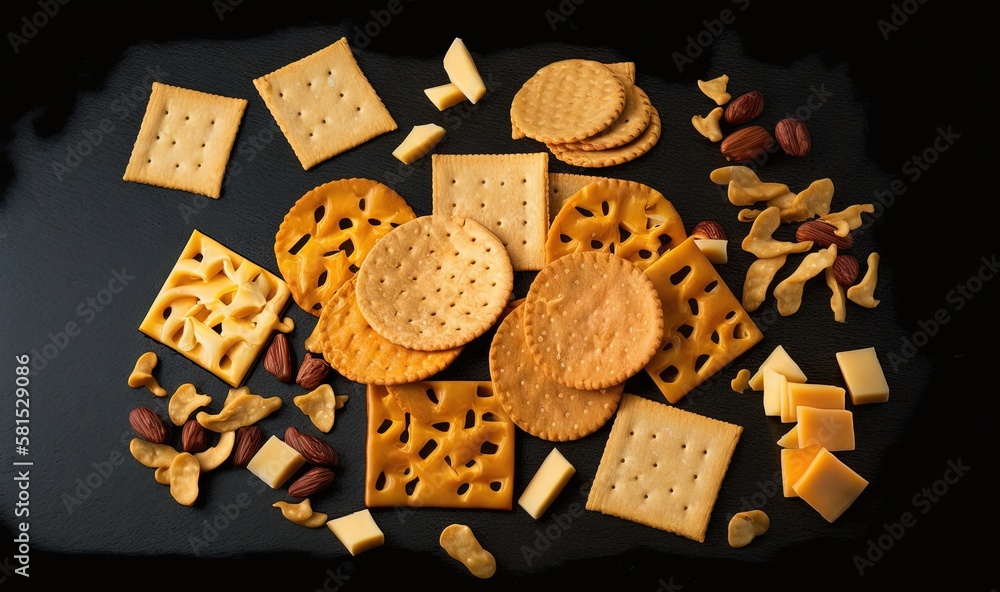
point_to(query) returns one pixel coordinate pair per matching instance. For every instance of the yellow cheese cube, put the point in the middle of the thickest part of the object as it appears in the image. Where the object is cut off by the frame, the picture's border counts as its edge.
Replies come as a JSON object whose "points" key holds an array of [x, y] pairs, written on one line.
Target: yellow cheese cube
{"points": [[462, 71], [546, 485], [780, 361], [774, 391], [813, 395], [420, 141], [790, 439], [445, 95], [275, 462], [863, 375], [357, 532], [831, 428], [714, 249], [794, 462], [829, 485]]}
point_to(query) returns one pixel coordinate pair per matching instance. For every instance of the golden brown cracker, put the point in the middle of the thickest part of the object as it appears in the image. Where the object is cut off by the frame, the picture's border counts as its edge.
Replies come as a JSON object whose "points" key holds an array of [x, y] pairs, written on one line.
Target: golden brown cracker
{"points": [[562, 186], [634, 119], [611, 156]]}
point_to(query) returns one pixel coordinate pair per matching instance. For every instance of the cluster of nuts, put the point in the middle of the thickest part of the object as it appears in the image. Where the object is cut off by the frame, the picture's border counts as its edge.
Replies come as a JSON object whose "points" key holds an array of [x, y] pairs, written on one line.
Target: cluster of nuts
{"points": [[278, 361]]}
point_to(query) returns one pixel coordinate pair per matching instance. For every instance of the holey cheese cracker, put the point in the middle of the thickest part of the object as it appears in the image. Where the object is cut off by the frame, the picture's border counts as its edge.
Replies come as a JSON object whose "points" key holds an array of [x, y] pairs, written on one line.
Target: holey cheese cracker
{"points": [[663, 467]]}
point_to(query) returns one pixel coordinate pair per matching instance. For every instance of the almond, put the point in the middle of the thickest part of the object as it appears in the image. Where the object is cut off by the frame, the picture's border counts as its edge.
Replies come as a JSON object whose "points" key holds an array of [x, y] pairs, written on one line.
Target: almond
{"points": [[845, 270], [311, 482], [709, 229], [148, 425], [193, 437], [278, 360], [249, 439], [744, 108], [746, 143], [822, 235], [312, 372], [311, 448], [793, 137]]}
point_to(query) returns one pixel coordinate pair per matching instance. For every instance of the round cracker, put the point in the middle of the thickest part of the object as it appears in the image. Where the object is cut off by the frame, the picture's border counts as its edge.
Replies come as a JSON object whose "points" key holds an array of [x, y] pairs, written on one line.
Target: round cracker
{"points": [[611, 156], [568, 101], [358, 353], [592, 320], [343, 220], [435, 283], [633, 120], [534, 402]]}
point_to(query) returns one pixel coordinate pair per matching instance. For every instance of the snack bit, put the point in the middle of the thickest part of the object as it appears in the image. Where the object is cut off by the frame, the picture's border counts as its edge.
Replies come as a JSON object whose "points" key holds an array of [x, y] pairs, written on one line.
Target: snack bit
{"points": [[421, 140], [150, 454], [446, 444], [462, 71], [301, 513], [708, 125], [461, 544], [185, 400], [829, 485], [320, 406], [142, 375], [811, 202], [537, 404], [329, 231], [592, 320], [760, 242], [185, 140], [183, 474], [704, 326], [324, 104], [547, 483], [744, 527], [631, 122], [506, 193], [358, 532], [863, 293], [435, 283], [848, 219], [611, 156], [741, 382], [217, 309], [788, 292], [211, 458], [715, 89], [663, 467], [744, 187], [759, 276], [625, 218], [838, 297], [241, 409]]}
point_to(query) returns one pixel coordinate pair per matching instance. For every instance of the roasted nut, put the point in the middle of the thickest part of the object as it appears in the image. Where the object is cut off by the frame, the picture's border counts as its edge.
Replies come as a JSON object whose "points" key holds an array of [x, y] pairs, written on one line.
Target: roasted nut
{"points": [[709, 229], [249, 440], [746, 143], [793, 137], [822, 235], [744, 108], [311, 482], [461, 544], [148, 425], [142, 375], [845, 269], [278, 360], [745, 526], [311, 448], [193, 437], [312, 372]]}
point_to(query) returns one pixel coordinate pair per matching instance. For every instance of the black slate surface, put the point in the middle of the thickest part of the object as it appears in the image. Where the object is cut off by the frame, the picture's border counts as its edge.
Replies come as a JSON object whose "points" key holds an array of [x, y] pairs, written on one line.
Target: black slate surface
{"points": [[894, 118]]}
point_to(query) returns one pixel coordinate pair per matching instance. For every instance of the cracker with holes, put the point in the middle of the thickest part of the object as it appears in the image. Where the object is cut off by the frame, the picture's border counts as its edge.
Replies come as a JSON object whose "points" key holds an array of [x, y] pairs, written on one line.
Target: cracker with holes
{"points": [[663, 467], [358, 353], [217, 309], [592, 320], [324, 104], [446, 444], [506, 193], [629, 219], [435, 283], [327, 234], [611, 156], [537, 404], [704, 325], [185, 140]]}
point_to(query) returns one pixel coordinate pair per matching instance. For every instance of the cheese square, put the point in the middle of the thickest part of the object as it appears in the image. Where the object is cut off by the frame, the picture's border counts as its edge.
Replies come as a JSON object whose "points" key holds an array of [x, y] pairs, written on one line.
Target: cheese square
{"points": [[358, 532], [864, 376], [217, 309], [832, 429], [185, 140], [324, 104], [547, 484], [829, 485], [275, 462]]}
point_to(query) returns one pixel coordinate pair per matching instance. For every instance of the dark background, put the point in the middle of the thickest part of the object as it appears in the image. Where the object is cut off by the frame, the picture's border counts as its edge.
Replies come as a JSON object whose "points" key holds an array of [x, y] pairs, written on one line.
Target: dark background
{"points": [[932, 71]]}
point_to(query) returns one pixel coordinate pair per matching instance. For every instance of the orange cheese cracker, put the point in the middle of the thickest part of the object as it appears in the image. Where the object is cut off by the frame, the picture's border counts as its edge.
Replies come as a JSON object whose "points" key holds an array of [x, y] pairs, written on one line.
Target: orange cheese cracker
{"points": [[446, 444]]}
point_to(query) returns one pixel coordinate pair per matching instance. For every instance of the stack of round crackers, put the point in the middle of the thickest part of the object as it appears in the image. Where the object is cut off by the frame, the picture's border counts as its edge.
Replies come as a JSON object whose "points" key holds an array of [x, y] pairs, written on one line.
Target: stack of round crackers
{"points": [[588, 114]]}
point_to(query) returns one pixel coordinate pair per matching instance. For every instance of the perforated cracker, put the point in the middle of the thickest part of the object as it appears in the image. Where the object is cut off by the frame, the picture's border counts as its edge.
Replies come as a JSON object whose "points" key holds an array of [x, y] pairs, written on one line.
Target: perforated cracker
{"points": [[663, 467], [438, 444], [326, 235], [538, 405], [611, 156], [704, 326], [217, 309], [359, 353], [185, 140], [592, 320], [629, 219], [435, 283], [324, 104], [506, 193], [632, 121]]}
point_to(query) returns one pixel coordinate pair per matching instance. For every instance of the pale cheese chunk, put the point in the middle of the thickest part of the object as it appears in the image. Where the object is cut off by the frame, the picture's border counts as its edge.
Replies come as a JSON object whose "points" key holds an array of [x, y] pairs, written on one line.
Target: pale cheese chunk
{"points": [[780, 361], [714, 249], [357, 532], [864, 376], [275, 462], [546, 485], [794, 462], [462, 71], [445, 95], [832, 429], [822, 396], [774, 391], [790, 439], [829, 485], [420, 141]]}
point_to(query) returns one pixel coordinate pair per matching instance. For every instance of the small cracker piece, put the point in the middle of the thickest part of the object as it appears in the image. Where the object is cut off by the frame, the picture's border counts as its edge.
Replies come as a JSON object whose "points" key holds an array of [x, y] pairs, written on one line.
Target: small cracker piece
{"points": [[788, 292], [242, 408], [301, 513], [759, 276], [715, 89], [634, 119], [708, 125], [184, 401], [745, 188], [562, 186], [320, 406], [663, 467], [324, 104], [811, 202], [741, 382], [185, 140], [863, 293], [847, 219], [838, 299], [611, 156], [506, 193], [760, 242]]}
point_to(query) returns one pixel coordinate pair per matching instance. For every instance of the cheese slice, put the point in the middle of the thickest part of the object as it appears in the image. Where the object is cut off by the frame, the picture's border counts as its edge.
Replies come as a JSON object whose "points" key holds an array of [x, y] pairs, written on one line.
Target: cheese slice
{"points": [[783, 363], [822, 396], [775, 386], [864, 376], [275, 462], [831, 428], [357, 532], [790, 439], [829, 485], [794, 462], [714, 249], [462, 71], [546, 485], [420, 141], [445, 95]]}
